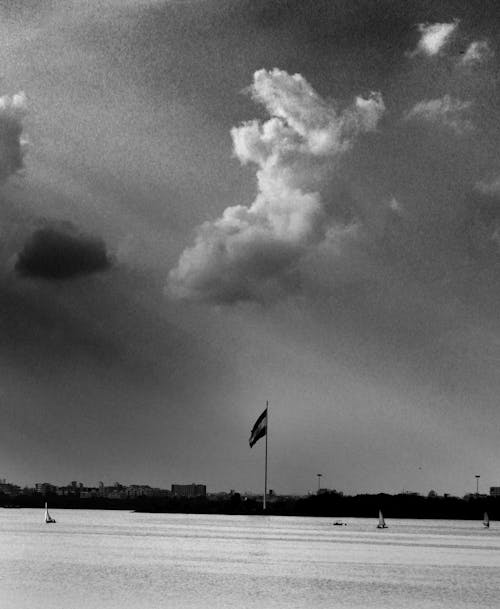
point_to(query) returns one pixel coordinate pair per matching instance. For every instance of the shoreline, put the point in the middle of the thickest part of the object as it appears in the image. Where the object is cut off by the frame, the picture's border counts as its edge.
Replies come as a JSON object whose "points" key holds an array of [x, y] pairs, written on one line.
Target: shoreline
{"points": [[329, 504]]}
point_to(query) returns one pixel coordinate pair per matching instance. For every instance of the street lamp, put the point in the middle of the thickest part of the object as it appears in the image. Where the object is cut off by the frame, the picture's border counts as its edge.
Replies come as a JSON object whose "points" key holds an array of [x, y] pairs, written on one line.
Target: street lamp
{"points": [[319, 481], [477, 483]]}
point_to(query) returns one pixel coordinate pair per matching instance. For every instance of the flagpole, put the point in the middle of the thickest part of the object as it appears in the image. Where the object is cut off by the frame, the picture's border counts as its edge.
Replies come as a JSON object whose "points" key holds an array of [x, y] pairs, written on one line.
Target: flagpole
{"points": [[265, 468]]}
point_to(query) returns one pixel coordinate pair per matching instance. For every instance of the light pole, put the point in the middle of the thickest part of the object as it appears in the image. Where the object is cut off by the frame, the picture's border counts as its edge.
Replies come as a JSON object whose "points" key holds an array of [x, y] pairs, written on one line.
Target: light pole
{"points": [[319, 481], [477, 484]]}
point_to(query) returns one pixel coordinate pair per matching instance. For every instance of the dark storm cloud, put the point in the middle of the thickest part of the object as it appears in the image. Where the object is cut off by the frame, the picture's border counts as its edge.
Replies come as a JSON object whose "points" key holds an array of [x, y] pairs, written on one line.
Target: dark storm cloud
{"points": [[61, 253]]}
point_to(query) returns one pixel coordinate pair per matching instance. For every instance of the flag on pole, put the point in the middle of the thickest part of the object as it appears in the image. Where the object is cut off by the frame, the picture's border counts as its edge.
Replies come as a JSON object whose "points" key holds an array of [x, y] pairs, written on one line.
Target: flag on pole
{"points": [[259, 430]]}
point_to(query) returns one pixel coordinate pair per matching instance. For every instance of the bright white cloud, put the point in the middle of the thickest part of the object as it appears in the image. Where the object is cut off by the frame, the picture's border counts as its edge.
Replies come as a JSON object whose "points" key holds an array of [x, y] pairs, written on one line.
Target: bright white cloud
{"points": [[250, 250], [477, 52], [446, 111], [434, 37]]}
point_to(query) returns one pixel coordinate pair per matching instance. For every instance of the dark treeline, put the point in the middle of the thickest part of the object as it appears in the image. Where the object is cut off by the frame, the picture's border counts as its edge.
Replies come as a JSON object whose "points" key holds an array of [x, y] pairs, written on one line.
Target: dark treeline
{"points": [[330, 504]]}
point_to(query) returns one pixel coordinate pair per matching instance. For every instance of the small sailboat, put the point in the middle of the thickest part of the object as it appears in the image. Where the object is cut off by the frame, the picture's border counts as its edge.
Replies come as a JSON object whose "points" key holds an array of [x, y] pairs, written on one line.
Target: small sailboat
{"points": [[381, 522], [486, 520], [48, 517]]}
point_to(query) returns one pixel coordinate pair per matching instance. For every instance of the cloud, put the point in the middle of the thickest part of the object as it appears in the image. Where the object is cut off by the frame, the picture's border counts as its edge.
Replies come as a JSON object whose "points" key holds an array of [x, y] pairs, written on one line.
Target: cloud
{"points": [[446, 111], [12, 146], [434, 37], [478, 51], [250, 251], [60, 252], [395, 205], [489, 187]]}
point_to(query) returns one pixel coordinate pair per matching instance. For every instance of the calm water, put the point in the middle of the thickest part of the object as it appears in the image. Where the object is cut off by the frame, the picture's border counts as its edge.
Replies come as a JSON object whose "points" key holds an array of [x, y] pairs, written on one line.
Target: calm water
{"points": [[104, 560]]}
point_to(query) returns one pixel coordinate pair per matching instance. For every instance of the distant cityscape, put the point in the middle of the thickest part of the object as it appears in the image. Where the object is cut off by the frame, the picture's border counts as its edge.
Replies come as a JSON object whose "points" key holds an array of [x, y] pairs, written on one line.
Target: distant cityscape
{"points": [[119, 491], [116, 491]]}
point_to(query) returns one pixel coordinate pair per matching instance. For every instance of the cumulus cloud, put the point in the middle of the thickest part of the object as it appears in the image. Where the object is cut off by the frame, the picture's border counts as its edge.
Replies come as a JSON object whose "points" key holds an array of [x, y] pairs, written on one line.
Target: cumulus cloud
{"points": [[478, 51], [446, 111], [434, 37], [12, 146], [252, 250], [60, 252]]}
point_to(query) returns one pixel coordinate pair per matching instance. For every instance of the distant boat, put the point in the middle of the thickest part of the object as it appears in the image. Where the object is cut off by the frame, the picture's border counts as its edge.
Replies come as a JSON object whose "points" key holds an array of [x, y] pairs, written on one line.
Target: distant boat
{"points": [[381, 522], [339, 523], [48, 517], [486, 520]]}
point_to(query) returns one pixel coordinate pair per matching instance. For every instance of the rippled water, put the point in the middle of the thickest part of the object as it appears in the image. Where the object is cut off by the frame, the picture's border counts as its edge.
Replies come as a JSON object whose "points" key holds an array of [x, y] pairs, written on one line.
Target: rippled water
{"points": [[122, 560]]}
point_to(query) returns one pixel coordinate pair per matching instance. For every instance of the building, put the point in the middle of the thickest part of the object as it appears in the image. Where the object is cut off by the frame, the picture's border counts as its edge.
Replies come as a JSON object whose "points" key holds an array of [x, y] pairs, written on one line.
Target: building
{"points": [[117, 491], [189, 490], [139, 490], [89, 493], [44, 488], [495, 491], [74, 489], [9, 489]]}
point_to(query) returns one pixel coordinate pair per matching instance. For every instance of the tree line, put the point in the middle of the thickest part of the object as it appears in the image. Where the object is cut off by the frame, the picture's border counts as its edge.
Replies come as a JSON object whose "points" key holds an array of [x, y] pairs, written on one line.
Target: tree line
{"points": [[327, 504]]}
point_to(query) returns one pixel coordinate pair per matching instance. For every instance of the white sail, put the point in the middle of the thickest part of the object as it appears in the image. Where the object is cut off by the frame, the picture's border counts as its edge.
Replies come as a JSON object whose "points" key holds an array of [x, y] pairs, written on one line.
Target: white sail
{"points": [[48, 517], [381, 522], [486, 520]]}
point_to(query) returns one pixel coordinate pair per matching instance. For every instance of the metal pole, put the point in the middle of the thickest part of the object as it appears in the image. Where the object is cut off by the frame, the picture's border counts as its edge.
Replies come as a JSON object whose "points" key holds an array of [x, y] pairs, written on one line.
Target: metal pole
{"points": [[265, 470], [477, 484]]}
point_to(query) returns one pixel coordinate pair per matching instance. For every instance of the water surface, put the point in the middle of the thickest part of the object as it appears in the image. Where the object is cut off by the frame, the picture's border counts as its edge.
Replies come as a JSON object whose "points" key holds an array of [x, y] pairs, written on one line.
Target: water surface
{"points": [[121, 560]]}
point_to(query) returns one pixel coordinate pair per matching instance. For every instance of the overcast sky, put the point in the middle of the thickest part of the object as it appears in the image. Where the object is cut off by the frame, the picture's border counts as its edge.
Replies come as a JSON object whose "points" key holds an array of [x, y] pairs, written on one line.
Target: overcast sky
{"points": [[207, 204]]}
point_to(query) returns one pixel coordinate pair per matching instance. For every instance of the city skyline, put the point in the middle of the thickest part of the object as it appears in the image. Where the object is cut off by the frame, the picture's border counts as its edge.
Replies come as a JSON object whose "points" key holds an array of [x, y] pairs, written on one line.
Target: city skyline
{"points": [[76, 484], [208, 204], [119, 490]]}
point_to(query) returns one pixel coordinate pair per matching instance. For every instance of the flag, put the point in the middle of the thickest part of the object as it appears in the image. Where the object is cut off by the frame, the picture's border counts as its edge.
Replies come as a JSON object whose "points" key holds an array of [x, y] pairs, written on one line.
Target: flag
{"points": [[259, 430]]}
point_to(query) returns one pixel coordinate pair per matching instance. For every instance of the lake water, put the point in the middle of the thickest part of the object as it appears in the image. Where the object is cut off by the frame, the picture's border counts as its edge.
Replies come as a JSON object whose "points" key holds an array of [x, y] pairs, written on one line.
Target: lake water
{"points": [[121, 560]]}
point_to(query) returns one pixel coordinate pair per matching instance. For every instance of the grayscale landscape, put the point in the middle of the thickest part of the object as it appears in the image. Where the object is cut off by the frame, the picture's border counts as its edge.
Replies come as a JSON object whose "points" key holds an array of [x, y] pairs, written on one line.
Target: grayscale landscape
{"points": [[249, 304]]}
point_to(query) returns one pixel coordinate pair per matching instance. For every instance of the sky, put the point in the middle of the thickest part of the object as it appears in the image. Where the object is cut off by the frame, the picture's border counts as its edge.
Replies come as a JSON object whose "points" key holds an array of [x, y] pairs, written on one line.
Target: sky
{"points": [[207, 204]]}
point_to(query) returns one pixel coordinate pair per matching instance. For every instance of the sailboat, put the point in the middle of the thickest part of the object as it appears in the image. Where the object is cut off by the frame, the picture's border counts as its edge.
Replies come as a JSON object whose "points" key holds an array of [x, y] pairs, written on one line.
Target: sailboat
{"points": [[381, 522], [486, 520], [48, 517]]}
